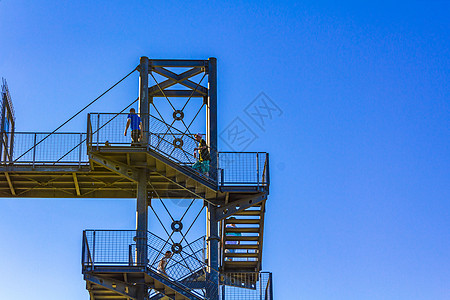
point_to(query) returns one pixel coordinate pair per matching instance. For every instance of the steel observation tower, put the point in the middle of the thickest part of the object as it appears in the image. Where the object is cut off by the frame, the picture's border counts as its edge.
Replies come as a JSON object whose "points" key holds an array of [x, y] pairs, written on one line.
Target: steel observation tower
{"points": [[176, 99]]}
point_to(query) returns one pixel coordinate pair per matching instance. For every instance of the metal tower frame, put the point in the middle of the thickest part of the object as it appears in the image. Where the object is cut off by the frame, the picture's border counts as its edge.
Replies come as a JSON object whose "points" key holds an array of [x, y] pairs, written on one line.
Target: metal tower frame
{"points": [[101, 163]]}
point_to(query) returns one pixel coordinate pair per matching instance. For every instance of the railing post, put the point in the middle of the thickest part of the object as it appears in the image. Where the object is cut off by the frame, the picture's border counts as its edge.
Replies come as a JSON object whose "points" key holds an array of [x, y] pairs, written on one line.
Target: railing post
{"points": [[130, 255], [260, 286], [79, 157], [271, 286], [88, 133], [83, 250], [34, 149], [257, 169], [98, 124], [93, 250]]}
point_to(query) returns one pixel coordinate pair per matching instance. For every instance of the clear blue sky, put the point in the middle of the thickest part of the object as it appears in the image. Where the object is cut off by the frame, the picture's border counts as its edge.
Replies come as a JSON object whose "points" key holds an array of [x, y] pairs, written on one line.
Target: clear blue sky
{"points": [[359, 204]]}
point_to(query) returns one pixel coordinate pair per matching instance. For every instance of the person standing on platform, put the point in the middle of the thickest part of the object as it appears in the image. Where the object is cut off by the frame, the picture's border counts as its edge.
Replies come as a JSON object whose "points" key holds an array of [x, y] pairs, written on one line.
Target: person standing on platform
{"points": [[202, 164], [136, 127]]}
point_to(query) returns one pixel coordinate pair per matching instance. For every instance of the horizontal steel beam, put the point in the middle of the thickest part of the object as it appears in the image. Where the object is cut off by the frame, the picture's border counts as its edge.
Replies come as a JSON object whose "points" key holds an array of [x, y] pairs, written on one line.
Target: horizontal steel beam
{"points": [[45, 168], [176, 93], [182, 63]]}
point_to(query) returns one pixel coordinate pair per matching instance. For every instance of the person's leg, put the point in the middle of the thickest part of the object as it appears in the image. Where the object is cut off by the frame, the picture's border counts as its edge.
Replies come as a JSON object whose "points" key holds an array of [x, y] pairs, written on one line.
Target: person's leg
{"points": [[206, 167], [134, 136], [197, 166]]}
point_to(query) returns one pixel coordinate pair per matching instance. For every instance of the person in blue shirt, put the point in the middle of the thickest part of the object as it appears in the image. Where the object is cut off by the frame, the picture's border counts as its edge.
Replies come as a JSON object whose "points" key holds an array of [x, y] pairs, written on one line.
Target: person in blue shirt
{"points": [[136, 127]]}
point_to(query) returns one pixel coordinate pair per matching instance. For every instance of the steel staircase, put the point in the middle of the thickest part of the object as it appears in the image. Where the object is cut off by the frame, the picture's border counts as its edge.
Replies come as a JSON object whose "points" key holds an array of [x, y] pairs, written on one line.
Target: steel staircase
{"points": [[242, 244], [173, 180]]}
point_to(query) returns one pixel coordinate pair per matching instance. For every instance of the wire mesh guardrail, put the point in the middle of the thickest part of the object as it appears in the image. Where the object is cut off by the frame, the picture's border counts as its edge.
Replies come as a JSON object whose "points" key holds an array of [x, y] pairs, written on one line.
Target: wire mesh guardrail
{"points": [[247, 286], [234, 168], [58, 148], [107, 129], [243, 168], [186, 268], [119, 248]]}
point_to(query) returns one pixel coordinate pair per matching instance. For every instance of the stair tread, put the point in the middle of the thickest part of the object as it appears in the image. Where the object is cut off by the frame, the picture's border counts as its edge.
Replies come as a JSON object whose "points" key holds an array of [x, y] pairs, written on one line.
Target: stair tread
{"points": [[245, 263], [242, 229], [241, 238], [243, 255], [243, 221], [239, 246], [249, 213]]}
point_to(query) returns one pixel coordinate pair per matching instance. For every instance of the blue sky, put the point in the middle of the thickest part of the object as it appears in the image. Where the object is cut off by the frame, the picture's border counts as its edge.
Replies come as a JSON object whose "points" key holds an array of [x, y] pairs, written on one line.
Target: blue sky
{"points": [[359, 203]]}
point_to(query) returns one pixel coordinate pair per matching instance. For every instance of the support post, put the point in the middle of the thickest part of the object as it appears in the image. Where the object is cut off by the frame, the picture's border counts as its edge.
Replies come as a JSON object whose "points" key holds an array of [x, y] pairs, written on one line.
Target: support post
{"points": [[141, 219], [212, 237], [144, 109], [141, 228], [211, 116]]}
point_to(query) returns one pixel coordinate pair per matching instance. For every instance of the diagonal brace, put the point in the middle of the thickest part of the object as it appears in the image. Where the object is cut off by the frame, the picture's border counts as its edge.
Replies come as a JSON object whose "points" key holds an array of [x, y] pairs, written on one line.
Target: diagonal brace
{"points": [[11, 187], [238, 206], [116, 167], [182, 79]]}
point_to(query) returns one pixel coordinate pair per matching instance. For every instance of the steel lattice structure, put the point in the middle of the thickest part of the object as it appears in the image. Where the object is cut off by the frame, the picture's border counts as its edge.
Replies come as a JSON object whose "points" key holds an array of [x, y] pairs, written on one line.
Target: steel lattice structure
{"points": [[177, 98]]}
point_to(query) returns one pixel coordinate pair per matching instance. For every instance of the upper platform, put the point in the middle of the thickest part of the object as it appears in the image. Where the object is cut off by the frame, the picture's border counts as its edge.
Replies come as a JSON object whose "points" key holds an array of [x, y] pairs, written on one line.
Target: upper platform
{"points": [[176, 97], [101, 162]]}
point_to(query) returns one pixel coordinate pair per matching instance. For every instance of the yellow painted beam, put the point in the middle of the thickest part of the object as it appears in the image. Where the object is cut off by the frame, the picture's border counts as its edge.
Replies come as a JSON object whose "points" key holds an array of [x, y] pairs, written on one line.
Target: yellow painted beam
{"points": [[11, 187], [75, 181]]}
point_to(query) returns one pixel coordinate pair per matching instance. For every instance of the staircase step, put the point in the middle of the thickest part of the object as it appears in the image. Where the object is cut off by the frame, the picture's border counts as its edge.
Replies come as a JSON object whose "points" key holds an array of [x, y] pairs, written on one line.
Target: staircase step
{"points": [[242, 230], [249, 213], [242, 221], [240, 246], [241, 238], [241, 264], [172, 289], [242, 255]]}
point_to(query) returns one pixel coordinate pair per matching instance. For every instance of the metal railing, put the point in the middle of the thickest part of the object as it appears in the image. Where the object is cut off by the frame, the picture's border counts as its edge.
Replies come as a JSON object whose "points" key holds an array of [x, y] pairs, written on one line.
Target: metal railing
{"points": [[233, 168], [119, 248], [58, 148], [107, 129], [186, 269], [244, 168], [246, 286]]}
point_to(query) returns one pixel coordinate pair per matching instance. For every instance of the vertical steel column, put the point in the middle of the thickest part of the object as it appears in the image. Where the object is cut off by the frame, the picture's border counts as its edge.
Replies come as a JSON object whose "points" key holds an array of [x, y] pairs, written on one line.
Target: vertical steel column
{"points": [[141, 228], [142, 194], [141, 218], [212, 292], [211, 116], [143, 98], [212, 235]]}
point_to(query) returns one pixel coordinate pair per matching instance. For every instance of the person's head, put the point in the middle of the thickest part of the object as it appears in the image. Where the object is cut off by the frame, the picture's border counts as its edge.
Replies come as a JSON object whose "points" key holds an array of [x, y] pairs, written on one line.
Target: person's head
{"points": [[132, 111], [231, 221], [168, 254], [198, 137]]}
